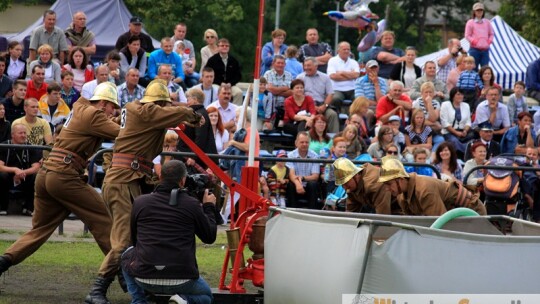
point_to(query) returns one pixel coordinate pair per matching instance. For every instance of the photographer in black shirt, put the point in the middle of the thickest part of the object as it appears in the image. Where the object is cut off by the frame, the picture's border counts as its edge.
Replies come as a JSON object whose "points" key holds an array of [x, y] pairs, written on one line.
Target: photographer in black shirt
{"points": [[163, 229]]}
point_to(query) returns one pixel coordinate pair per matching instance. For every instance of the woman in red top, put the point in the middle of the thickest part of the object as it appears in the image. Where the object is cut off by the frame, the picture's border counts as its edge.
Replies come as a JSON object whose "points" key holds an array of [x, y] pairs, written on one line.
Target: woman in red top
{"points": [[299, 110], [488, 78]]}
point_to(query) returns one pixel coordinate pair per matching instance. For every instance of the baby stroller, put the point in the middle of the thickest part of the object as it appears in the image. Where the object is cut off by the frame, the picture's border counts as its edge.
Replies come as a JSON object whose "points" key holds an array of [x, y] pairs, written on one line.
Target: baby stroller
{"points": [[505, 189]]}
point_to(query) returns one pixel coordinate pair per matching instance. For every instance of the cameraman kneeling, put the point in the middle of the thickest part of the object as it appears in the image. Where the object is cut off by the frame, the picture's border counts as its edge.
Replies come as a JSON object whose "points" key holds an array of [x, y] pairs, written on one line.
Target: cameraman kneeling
{"points": [[163, 228]]}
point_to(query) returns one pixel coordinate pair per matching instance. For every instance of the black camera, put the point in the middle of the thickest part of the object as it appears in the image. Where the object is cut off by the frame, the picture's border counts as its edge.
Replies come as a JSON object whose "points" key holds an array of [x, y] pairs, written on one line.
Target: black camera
{"points": [[196, 185]]}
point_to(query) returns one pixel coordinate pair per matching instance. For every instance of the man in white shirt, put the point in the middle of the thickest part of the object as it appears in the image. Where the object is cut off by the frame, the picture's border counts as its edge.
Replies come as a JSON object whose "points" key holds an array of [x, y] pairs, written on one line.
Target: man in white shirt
{"points": [[343, 72], [102, 75], [226, 108]]}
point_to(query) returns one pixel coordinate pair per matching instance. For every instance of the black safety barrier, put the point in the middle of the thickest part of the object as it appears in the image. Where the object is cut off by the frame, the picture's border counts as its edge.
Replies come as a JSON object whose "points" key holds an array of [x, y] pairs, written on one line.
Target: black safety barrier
{"points": [[259, 158], [30, 147]]}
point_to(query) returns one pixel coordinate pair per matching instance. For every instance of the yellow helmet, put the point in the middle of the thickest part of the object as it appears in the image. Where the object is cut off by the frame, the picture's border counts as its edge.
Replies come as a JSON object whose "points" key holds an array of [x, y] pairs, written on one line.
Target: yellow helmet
{"points": [[156, 91], [344, 170], [106, 91], [392, 168]]}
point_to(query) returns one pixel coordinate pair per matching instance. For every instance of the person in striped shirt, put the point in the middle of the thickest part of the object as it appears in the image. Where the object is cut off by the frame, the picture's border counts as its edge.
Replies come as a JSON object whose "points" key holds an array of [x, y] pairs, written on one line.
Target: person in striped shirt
{"points": [[469, 81]]}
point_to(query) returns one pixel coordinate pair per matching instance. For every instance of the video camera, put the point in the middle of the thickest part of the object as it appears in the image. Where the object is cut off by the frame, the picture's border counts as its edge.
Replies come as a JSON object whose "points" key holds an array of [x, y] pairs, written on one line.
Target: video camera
{"points": [[196, 185]]}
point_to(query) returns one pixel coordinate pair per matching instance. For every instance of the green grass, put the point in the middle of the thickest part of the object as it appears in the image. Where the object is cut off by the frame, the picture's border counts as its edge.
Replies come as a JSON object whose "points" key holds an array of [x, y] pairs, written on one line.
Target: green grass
{"points": [[62, 272]]}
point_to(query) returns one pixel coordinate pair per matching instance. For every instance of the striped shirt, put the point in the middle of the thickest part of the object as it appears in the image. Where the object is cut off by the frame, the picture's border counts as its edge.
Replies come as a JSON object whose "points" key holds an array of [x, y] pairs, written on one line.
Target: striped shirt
{"points": [[419, 104], [363, 87], [418, 138], [469, 80]]}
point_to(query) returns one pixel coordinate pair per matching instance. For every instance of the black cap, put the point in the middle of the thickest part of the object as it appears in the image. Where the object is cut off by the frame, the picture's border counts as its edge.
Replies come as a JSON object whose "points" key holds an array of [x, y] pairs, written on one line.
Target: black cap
{"points": [[485, 126], [135, 20]]}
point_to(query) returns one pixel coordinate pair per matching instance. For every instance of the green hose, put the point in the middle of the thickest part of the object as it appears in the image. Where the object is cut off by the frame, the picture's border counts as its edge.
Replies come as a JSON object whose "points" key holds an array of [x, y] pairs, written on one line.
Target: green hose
{"points": [[452, 214]]}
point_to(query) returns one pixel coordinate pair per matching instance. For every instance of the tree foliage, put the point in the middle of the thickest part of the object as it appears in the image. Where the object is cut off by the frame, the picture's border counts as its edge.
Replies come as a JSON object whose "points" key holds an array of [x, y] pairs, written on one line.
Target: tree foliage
{"points": [[522, 16], [4, 5]]}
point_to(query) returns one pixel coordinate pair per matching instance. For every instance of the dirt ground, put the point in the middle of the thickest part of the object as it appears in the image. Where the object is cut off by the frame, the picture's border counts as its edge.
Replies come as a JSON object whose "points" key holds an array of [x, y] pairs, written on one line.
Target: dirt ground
{"points": [[35, 284]]}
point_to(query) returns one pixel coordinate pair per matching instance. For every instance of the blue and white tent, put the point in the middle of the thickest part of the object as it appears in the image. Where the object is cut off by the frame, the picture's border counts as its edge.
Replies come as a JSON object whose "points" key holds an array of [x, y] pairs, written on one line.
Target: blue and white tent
{"points": [[509, 55]]}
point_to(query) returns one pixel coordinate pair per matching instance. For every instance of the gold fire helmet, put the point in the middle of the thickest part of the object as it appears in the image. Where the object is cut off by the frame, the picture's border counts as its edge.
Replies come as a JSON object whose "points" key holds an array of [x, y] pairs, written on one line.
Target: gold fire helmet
{"points": [[344, 170], [106, 91], [392, 168], [156, 91]]}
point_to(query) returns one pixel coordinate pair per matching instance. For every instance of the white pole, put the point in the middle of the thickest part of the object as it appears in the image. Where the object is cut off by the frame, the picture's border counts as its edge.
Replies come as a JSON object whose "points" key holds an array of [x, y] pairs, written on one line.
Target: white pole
{"points": [[336, 36], [254, 110], [278, 8]]}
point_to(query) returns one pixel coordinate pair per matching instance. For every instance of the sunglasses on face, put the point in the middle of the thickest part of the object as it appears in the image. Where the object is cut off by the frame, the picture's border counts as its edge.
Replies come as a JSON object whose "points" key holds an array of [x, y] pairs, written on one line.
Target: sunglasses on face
{"points": [[390, 152]]}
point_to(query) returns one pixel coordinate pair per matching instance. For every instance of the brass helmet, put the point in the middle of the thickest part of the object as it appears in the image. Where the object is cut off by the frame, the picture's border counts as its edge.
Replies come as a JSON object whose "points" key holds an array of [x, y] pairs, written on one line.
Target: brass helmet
{"points": [[156, 91], [106, 91], [392, 168], [344, 170]]}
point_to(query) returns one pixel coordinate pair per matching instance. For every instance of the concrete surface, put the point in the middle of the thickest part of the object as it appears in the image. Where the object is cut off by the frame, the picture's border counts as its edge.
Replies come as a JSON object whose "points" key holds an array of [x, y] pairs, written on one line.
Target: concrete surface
{"points": [[13, 226]]}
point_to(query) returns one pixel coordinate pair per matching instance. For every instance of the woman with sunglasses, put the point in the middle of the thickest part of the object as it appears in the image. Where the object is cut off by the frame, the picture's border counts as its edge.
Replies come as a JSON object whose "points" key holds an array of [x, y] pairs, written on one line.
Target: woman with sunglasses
{"points": [[378, 149], [211, 48], [479, 33], [406, 71], [393, 150]]}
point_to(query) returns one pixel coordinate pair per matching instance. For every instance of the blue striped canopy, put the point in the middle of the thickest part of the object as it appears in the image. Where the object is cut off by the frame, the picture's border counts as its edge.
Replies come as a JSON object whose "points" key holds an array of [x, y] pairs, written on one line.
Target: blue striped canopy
{"points": [[509, 55]]}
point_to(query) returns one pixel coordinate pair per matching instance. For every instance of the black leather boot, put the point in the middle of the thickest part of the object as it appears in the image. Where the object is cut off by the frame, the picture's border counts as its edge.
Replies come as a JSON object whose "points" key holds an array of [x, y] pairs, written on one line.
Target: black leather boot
{"points": [[5, 263], [122, 281], [98, 293]]}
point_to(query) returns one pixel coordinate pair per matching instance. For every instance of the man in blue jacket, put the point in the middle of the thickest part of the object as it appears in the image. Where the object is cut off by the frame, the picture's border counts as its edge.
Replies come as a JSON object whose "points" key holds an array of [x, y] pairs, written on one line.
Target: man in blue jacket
{"points": [[533, 79], [165, 56], [518, 138]]}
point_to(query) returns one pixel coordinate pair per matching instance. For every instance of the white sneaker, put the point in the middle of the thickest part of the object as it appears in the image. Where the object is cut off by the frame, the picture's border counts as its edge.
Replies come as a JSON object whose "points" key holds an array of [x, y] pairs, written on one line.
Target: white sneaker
{"points": [[176, 299], [3, 212]]}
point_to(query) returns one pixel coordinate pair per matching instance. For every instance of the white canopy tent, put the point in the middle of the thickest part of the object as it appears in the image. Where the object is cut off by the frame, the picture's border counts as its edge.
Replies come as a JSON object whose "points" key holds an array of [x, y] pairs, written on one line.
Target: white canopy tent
{"points": [[509, 55]]}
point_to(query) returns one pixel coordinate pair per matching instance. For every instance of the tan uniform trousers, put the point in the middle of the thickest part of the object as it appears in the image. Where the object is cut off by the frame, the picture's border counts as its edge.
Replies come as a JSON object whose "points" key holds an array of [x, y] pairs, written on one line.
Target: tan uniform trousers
{"points": [[119, 199], [56, 196]]}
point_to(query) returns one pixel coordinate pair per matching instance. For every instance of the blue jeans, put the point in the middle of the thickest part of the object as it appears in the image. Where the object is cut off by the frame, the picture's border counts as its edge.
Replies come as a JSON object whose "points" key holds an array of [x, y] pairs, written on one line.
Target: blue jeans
{"points": [[436, 141], [480, 57], [455, 141], [192, 79], [194, 291]]}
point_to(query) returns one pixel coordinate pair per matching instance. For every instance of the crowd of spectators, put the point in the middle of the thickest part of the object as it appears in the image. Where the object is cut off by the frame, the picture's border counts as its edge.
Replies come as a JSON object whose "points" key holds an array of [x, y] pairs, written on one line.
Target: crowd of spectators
{"points": [[437, 113]]}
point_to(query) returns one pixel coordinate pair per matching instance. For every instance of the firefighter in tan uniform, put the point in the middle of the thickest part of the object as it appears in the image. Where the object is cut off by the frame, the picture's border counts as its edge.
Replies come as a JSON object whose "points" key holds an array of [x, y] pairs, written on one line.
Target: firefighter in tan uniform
{"points": [[425, 195], [364, 193], [61, 187], [142, 131]]}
